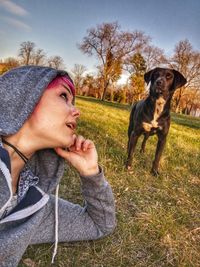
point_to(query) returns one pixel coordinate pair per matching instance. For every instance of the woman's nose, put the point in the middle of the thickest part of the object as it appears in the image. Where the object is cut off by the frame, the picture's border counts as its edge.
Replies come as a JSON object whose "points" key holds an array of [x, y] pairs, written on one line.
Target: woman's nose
{"points": [[75, 112]]}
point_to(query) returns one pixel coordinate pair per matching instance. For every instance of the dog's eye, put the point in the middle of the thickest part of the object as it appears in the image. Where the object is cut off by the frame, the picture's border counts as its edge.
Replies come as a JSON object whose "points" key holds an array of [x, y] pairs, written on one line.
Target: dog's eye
{"points": [[168, 76], [155, 75]]}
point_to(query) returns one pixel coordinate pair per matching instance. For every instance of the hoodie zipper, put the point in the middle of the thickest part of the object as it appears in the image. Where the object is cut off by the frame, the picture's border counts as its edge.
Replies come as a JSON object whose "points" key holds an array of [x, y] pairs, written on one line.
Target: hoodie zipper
{"points": [[24, 212], [7, 175]]}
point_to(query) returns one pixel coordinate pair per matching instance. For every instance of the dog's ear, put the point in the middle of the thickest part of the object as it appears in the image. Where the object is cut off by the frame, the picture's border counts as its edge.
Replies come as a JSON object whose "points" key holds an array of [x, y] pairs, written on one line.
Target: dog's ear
{"points": [[148, 75], [179, 80]]}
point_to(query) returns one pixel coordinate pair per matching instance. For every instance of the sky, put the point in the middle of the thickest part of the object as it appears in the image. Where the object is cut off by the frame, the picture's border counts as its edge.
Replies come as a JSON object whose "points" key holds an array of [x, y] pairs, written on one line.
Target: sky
{"points": [[57, 26]]}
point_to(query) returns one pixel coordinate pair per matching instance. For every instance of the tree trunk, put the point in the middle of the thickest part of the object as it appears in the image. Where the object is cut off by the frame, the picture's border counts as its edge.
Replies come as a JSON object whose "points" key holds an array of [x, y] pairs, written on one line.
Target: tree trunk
{"points": [[104, 90], [178, 100], [111, 94]]}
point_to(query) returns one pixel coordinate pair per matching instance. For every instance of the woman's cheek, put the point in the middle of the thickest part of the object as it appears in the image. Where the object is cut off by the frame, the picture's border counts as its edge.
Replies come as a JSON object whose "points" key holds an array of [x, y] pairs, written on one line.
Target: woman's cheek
{"points": [[38, 114], [35, 111]]}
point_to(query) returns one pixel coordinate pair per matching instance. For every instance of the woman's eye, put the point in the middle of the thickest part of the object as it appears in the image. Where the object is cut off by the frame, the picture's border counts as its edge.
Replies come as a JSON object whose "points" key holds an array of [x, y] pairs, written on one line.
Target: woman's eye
{"points": [[64, 96]]}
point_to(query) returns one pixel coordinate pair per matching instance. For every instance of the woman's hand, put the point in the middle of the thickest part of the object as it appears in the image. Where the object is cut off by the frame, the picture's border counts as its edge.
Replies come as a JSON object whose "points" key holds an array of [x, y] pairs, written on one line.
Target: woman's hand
{"points": [[82, 155]]}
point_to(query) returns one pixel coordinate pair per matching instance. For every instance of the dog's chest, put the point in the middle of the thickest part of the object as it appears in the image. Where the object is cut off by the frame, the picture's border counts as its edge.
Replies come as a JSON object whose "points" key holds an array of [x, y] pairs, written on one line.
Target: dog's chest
{"points": [[159, 106]]}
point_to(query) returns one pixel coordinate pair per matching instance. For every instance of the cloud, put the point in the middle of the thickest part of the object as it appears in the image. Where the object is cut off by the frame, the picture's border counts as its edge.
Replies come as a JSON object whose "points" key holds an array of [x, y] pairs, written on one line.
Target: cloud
{"points": [[17, 23], [13, 8]]}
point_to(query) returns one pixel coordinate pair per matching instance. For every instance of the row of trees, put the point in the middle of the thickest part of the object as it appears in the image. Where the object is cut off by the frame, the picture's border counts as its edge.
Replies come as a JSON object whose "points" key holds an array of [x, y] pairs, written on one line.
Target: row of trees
{"points": [[119, 52], [29, 54]]}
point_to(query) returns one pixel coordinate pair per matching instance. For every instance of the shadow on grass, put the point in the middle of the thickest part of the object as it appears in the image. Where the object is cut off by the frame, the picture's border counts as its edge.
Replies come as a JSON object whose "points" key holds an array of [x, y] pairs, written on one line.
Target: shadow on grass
{"points": [[105, 103], [188, 121]]}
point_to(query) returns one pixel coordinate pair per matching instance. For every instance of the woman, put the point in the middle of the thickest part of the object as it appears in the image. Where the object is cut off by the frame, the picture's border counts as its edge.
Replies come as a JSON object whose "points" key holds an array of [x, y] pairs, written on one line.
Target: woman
{"points": [[37, 130]]}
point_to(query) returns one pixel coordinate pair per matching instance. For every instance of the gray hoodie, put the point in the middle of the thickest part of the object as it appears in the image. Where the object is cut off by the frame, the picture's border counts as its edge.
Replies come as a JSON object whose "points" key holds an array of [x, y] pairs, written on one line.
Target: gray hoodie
{"points": [[32, 221]]}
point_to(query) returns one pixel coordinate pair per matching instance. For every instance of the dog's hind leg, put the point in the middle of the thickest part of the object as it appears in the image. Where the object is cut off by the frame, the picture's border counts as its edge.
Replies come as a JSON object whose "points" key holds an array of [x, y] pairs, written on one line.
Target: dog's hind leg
{"points": [[146, 136], [131, 148], [130, 126]]}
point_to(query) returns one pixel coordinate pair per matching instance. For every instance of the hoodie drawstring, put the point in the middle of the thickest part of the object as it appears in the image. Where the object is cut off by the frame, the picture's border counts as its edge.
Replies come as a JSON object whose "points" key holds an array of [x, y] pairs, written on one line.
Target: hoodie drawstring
{"points": [[21, 155], [56, 225]]}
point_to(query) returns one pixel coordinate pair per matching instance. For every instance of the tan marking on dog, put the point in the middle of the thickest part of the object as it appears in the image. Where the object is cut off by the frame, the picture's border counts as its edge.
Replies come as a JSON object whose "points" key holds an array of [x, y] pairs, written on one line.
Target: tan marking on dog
{"points": [[147, 126], [160, 102]]}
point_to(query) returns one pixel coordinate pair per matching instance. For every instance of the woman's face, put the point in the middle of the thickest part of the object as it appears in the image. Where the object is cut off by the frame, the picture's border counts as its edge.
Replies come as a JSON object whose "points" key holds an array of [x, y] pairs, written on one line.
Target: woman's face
{"points": [[54, 119]]}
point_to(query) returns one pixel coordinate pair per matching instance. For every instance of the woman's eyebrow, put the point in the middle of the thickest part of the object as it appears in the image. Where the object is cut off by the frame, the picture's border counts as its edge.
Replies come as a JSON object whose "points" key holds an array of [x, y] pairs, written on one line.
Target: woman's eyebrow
{"points": [[67, 89]]}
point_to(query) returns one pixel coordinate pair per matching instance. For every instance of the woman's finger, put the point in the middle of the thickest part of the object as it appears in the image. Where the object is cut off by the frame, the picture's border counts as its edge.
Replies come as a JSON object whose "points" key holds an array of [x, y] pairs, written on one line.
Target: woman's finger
{"points": [[87, 144], [62, 152], [78, 142]]}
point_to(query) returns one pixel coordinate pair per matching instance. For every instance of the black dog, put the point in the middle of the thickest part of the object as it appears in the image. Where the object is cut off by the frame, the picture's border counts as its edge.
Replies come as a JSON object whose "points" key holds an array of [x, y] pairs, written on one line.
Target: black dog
{"points": [[152, 115]]}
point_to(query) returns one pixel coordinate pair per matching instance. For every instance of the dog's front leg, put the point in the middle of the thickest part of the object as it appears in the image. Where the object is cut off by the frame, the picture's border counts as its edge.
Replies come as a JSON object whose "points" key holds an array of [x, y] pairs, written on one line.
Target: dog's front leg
{"points": [[159, 149], [146, 136], [131, 148]]}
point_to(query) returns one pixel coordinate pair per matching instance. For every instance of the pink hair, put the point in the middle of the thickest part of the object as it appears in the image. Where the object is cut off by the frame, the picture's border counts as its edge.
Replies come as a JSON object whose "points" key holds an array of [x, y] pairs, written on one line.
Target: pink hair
{"points": [[59, 80]]}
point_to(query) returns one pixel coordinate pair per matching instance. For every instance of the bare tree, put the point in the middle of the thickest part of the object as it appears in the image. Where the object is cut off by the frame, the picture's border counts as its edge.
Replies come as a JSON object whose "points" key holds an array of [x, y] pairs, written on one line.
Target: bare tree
{"points": [[187, 61], [29, 55], [153, 57], [39, 57], [77, 72], [56, 62], [111, 46], [26, 52]]}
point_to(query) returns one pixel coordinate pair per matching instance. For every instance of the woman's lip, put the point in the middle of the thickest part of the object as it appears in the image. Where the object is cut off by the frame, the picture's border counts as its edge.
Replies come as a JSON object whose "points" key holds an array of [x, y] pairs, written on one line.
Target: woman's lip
{"points": [[71, 125]]}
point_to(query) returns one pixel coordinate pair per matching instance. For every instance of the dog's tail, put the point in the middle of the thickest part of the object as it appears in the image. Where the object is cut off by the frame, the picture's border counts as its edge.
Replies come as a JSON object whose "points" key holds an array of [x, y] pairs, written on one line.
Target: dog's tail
{"points": [[131, 122]]}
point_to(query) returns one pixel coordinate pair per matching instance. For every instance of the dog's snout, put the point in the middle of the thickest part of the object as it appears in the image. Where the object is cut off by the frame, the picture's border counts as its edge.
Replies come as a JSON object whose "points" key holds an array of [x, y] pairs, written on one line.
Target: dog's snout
{"points": [[159, 82]]}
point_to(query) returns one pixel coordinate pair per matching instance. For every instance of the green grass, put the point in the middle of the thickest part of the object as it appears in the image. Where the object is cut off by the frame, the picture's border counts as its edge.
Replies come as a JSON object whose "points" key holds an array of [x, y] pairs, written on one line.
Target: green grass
{"points": [[158, 217]]}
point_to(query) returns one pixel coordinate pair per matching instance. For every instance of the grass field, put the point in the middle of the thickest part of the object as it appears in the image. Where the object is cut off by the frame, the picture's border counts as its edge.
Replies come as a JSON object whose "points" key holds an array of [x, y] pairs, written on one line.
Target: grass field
{"points": [[158, 217]]}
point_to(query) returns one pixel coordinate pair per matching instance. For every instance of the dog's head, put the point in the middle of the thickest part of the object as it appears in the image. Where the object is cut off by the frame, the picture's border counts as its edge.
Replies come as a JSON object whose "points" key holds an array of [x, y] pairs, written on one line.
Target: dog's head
{"points": [[164, 82]]}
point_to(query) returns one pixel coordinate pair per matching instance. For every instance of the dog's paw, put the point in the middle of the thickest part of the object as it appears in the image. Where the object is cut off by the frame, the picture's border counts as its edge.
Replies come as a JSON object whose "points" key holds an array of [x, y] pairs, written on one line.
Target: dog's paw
{"points": [[128, 167], [154, 172]]}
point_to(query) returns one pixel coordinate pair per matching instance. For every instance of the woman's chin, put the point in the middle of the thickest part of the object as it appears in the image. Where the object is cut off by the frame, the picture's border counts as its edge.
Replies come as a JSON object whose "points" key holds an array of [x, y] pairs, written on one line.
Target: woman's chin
{"points": [[64, 142], [69, 143]]}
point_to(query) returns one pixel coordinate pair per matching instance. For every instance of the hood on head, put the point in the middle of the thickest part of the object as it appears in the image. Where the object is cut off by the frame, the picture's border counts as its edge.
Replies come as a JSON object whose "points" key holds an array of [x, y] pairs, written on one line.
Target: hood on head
{"points": [[20, 90]]}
